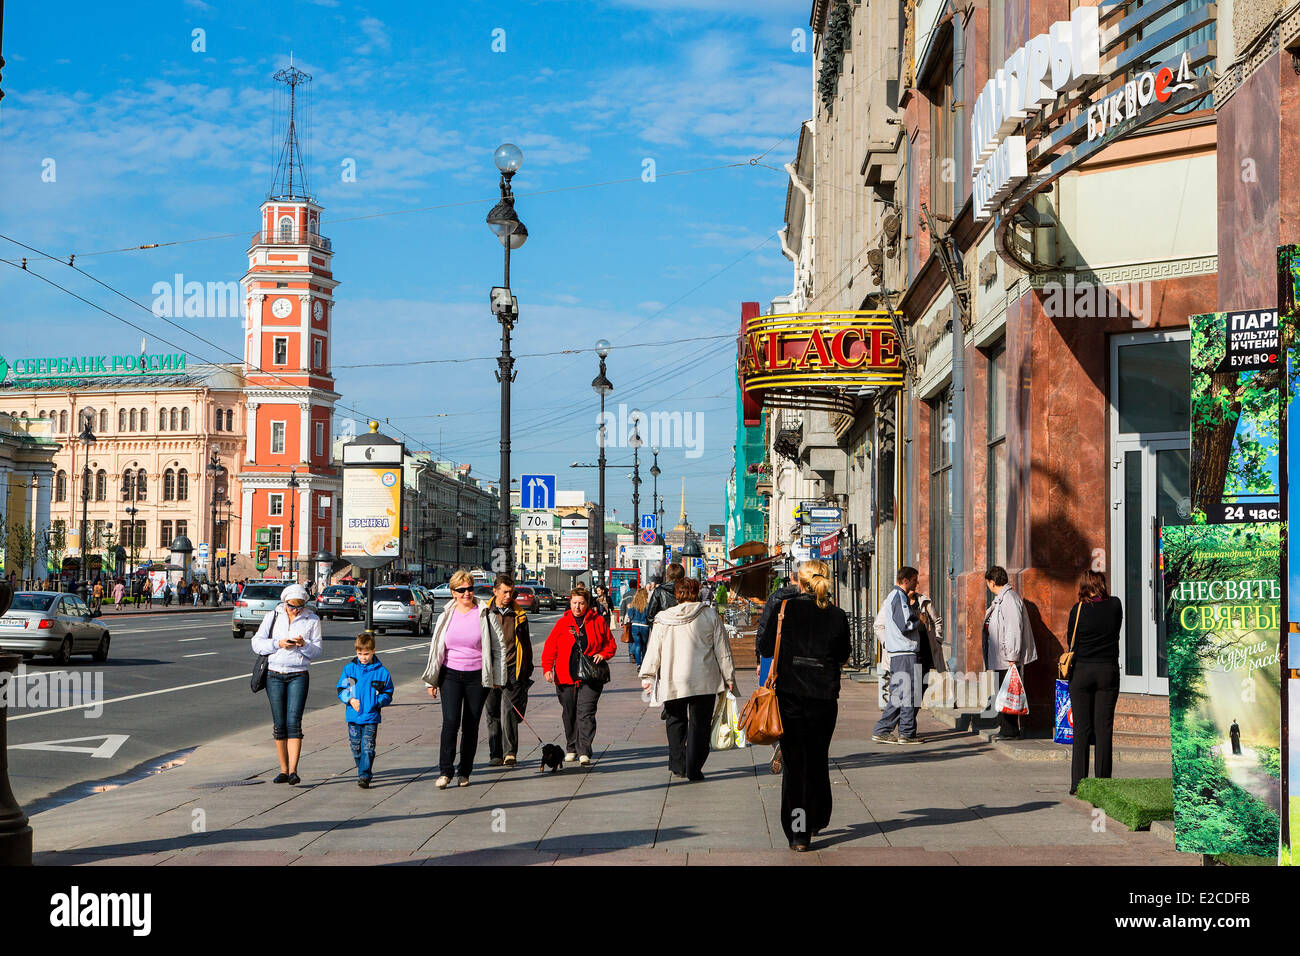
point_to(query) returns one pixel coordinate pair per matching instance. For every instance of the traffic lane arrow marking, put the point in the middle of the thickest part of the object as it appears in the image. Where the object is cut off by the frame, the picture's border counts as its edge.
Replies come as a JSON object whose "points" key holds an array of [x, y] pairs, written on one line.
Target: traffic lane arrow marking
{"points": [[110, 746]]}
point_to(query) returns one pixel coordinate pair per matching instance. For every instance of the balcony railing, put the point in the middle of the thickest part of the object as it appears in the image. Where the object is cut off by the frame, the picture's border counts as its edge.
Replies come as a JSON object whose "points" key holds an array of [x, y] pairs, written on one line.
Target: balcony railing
{"points": [[277, 238]]}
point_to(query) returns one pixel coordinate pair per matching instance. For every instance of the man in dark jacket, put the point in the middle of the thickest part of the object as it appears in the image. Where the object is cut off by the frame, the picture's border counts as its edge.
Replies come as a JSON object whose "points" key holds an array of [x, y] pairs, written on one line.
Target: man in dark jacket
{"points": [[502, 721], [664, 596]]}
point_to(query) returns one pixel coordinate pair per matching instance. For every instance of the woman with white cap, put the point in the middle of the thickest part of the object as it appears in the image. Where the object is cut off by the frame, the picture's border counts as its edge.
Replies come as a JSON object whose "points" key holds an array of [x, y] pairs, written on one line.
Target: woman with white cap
{"points": [[291, 636]]}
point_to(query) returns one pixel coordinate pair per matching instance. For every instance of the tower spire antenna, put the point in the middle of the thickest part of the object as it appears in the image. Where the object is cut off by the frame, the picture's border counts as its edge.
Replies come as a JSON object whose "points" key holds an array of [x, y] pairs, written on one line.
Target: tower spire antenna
{"points": [[290, 169]]}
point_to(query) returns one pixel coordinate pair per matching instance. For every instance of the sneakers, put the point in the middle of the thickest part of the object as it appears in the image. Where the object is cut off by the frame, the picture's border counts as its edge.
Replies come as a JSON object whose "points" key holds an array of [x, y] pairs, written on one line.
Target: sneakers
{"points": [[443, 783], [462, 781], [885, 738], [509, 760], [495, 762], [584, 761], [281, 777], [776, 764], [910, 740], [363, 783], [570, 757]]}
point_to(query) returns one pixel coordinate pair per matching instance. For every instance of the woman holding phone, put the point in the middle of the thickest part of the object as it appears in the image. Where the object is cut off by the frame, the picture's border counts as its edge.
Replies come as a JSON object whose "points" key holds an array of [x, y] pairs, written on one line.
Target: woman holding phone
{"points": [[291, 636]]}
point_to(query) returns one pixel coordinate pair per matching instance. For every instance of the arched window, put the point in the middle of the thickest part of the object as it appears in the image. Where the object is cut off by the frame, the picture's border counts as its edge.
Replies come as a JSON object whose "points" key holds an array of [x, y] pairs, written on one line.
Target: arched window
{"points": [[103, 420], [176, 420], [185, 419], [135, 419], [286, 229], [230, 419], [61, 486], [63, 420], [121, 419], [182, 485], [144, 419], [220, 419], [101, 484], [169, 485], [162, 419], [142, 484]]}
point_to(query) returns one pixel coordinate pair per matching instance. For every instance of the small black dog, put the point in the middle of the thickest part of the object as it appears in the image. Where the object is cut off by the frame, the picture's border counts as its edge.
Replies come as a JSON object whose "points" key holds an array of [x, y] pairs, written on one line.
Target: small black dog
{"points": [[552, 756]]}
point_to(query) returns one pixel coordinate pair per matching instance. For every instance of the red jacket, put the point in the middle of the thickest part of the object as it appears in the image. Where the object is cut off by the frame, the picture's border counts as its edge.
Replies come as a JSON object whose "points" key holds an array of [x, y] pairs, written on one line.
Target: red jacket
{"points": [[559, 644]]}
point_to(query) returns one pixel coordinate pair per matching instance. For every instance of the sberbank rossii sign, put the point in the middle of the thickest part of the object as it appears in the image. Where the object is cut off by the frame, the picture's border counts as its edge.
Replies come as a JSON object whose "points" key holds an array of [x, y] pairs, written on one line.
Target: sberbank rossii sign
{"points": [[92, 366]]}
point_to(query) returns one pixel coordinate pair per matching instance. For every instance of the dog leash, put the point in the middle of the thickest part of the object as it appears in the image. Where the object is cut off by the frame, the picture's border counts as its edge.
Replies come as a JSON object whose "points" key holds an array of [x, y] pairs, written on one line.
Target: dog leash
{"points": [[528, 725]]}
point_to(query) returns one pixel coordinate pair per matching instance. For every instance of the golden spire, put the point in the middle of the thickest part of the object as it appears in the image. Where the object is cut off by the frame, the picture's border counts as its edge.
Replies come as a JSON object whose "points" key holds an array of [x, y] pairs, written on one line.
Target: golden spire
{"points": [[683, 499]]}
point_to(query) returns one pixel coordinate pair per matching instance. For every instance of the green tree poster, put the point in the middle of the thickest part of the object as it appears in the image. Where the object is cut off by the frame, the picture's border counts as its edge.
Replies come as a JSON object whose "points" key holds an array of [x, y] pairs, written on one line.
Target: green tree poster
{"points": [[1223, 612]]}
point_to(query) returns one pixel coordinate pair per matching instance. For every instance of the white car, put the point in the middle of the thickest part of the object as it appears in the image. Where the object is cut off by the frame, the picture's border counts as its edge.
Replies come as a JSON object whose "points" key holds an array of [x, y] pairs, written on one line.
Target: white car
{"points": [[398, 606]]}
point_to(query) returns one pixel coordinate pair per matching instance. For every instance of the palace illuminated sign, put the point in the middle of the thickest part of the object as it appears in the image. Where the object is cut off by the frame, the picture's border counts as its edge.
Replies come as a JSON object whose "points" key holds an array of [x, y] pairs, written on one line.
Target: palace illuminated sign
{"points": [[793, 357]]}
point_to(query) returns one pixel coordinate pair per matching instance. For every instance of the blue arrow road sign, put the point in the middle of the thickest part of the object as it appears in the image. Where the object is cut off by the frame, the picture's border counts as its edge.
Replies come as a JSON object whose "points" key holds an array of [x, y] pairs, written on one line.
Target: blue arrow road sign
{"points": [[649, 522], [537, 491]]}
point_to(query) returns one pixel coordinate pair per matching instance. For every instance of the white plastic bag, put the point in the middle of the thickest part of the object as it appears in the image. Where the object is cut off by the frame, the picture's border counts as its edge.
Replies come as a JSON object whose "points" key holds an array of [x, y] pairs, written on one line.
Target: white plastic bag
{"points": [[1011, 697], [726, 733]]}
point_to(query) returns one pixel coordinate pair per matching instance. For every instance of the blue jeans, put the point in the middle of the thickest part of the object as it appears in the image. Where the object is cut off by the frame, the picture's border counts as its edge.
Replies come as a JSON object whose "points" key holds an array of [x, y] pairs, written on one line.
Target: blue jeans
{"points": [[904, 695], [637, 645], [362, 739], [288, 696]]}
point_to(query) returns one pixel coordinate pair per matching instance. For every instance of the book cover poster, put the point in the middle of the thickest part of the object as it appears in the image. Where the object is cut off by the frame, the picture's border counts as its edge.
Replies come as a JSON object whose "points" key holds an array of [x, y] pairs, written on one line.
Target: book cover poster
{"points": [[1223, 608], [1236, 413]]}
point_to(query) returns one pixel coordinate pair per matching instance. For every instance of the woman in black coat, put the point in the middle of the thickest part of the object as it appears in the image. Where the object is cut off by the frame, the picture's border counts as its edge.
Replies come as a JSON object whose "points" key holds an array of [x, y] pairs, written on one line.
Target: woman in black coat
{"points": [[814, 637], [1094, 626]]}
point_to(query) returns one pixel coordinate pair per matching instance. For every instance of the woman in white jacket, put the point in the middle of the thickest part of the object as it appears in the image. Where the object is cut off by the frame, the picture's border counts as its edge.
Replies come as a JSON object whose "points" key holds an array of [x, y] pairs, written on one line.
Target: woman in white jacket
{"points": [[689, 657], [291, 636]]}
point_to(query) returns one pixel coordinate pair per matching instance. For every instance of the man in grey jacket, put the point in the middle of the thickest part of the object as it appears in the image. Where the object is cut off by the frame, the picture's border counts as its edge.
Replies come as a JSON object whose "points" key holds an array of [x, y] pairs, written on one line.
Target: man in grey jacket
{"points": [[903, 633], [1008, 639]]}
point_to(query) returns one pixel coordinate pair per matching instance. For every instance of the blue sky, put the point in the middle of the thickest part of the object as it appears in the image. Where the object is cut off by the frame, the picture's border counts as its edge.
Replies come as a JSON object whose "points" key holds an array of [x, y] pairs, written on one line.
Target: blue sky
{"points": [[153, 142]]}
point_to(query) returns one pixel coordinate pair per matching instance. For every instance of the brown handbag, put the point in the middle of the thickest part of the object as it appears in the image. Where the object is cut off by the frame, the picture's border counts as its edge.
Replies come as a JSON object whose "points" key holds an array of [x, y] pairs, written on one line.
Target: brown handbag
{"points": [[1066, 662], [761, 719], [627, 633]]}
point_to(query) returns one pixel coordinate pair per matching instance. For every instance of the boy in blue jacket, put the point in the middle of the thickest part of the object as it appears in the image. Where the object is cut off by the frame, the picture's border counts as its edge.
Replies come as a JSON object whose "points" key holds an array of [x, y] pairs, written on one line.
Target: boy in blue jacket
{"points": [[364, 687]]}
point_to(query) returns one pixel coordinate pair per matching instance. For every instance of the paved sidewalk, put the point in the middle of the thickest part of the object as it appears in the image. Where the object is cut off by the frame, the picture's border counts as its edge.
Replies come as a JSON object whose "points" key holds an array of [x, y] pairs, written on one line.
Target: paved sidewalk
{"points": [[954, 800]]}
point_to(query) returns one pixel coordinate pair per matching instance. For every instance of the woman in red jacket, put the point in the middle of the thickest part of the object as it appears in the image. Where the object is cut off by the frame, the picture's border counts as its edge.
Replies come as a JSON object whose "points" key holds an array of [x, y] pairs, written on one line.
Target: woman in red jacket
{"points": [[560, 666]]}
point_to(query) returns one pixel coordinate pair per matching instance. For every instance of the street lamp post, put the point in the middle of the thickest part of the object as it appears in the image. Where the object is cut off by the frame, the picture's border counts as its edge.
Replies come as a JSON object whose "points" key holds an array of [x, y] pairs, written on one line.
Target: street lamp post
{"points": [[214, 473], [654, 503], [87, 438], [602, 386], [512, 234], [293, 513], [636, 443], [131, 491]]}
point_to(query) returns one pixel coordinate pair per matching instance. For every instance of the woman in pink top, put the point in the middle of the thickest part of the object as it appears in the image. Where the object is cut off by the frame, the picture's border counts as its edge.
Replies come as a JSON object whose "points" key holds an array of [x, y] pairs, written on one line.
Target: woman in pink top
{"points": [[466, 659]]}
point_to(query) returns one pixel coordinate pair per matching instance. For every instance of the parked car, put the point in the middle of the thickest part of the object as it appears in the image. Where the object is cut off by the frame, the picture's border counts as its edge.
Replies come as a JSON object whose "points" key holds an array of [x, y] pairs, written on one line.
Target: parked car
{"points": [[483, 592], [545, 597], [526, 597], [341, 600], [442, 592], [54, 623], [256, 601], [401, 606]]}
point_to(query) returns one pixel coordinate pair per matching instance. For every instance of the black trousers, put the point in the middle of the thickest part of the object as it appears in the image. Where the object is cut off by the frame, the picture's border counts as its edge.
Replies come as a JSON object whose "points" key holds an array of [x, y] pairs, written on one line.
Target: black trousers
{"points": [[502, 721], [1094, 690], [578, 714], [688, 722], [1008, 724], [808, 724], [463, 696]]}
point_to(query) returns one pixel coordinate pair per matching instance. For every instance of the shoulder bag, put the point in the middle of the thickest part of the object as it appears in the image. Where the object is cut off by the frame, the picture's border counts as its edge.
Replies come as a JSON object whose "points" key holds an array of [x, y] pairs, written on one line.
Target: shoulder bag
{"points": [[761, 719], [590, 670], [1066, 664], [262, 662]]}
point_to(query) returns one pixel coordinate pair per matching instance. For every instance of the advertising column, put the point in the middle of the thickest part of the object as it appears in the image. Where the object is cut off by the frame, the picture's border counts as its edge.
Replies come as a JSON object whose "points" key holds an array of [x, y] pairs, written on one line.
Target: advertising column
{"points": [[372, 506]]}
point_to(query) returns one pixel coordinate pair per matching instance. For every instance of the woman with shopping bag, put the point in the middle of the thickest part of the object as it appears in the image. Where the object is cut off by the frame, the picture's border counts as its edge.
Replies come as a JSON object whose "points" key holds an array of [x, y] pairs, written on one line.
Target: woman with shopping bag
{"points": [[688, 658], [1008, 640]]}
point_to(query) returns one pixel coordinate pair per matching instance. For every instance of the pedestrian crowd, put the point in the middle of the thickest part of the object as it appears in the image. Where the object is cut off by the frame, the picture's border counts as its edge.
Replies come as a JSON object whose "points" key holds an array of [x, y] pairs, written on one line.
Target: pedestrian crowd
{"points": [[481, 660]]}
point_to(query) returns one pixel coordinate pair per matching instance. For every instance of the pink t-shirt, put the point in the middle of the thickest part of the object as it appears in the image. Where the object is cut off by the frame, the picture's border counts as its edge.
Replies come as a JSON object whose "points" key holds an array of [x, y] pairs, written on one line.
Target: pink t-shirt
{"points": [[464, 641]]}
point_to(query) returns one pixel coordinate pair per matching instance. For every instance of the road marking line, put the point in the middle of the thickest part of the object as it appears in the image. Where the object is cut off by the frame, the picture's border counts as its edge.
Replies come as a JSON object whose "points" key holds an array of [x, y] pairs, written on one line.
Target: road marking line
{"points": [[204, 654], [184, 639], [163, 630], [169, 690]]}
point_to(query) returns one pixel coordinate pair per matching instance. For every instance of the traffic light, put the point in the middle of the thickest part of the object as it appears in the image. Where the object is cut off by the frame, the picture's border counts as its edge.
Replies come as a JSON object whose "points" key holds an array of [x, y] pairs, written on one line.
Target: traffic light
{"points": [[263, 557]]}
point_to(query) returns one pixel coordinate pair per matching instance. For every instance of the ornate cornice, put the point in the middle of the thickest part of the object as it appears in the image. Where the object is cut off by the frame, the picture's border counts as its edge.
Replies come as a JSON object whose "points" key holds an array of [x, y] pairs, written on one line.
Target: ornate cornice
{"points": [[1278, 38]]}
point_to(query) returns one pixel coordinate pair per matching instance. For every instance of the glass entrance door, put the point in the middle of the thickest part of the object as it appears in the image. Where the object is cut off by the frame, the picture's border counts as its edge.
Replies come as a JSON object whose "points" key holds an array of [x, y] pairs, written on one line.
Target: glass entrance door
{"points": [[1150, 416]]}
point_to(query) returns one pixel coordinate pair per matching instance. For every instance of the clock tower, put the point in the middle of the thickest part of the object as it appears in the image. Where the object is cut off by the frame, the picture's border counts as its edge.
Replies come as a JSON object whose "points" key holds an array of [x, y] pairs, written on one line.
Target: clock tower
{"points": [[287, 483]]}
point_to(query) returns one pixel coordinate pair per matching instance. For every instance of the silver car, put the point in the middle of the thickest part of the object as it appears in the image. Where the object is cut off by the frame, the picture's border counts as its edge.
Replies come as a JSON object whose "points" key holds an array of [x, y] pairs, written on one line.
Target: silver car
{"points": [[256, 601], [46, 622], [399, 606]]}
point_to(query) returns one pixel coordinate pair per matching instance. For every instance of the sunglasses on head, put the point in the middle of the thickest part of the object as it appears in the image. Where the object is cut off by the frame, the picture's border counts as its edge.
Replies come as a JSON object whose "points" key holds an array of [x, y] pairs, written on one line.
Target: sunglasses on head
{"points": [[462, 590]]}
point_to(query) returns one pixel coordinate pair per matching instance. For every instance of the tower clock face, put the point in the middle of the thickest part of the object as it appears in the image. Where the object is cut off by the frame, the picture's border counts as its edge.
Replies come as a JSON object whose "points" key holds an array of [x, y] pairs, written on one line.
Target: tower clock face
{"points": [[318, 310], [281, 307]]}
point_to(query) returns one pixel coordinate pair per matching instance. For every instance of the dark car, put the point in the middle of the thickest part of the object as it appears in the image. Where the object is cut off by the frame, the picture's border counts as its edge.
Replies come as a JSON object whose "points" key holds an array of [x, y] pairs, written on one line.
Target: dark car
{"points": [[341, 600], [545, 597]]}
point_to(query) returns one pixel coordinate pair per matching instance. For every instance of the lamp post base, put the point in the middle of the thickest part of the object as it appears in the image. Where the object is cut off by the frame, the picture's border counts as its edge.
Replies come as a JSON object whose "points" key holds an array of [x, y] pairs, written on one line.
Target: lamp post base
{"points": [[15, 834]]}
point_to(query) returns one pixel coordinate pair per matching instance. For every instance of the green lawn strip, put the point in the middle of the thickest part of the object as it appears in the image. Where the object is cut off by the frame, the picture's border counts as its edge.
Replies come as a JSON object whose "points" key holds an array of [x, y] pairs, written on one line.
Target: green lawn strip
{"points": [[1242, 859], [1134, 802]]}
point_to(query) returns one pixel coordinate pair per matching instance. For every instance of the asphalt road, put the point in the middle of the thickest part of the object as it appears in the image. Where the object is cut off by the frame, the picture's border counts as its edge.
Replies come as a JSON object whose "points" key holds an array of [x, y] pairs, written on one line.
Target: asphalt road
{"points": [[170, 684]]}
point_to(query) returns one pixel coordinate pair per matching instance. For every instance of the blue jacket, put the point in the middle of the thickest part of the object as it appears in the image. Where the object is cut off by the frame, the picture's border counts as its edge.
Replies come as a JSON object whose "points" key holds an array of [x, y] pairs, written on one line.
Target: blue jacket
{"points": [[902, 625], [371, 684]]}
